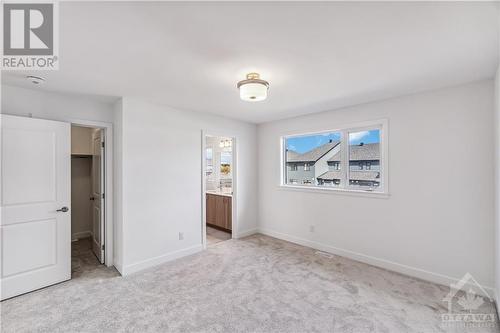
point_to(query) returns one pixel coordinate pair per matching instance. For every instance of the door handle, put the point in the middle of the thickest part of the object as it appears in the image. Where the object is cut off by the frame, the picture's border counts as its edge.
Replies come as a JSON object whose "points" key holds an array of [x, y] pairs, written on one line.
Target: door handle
{"points": [[63, 209]]}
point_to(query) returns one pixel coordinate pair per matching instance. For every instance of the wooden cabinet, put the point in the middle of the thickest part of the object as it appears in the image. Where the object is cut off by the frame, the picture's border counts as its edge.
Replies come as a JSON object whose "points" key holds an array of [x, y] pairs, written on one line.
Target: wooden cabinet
{"points": [[219, 211], [211, 209]]}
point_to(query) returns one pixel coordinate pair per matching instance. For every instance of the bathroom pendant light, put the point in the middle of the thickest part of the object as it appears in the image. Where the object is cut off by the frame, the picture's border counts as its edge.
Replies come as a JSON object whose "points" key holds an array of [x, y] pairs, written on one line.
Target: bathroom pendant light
{"points": [[253, 89]]}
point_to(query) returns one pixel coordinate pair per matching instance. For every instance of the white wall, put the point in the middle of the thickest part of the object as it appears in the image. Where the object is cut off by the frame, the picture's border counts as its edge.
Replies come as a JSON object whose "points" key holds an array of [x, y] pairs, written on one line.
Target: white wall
{"points": [[118, 185], [81, 206], [497, 183], [81, 140], [161, 178], [53, 106], [437, 223], [497, 186]]}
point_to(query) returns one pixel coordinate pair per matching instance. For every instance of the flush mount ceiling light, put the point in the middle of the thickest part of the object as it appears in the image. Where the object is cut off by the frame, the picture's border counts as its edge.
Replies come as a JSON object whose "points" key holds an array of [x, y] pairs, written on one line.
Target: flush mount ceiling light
{"points": [[35, 79], [253, 89]]}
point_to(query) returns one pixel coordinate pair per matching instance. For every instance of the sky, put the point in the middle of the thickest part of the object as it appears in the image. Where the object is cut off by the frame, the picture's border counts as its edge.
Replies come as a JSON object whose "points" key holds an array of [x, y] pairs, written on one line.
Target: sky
{"points": [[302, 144]]}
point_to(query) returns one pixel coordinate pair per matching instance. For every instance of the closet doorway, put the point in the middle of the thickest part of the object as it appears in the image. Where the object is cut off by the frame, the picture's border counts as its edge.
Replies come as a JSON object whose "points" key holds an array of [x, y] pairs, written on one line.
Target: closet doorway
{"points": [[87, 198]]}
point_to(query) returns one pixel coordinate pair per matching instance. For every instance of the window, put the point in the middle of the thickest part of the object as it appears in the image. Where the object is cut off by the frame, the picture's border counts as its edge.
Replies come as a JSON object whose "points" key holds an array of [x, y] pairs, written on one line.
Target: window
{"points": [[210, 162], [364, 146], [347, 159], [319, 154], [225, 163]]}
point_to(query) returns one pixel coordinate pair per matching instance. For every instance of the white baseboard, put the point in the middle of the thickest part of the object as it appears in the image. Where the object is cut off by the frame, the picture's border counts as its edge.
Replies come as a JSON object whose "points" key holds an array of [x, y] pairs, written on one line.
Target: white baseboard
{"points": [[82, 234], [246, 233], [119, 268], [139, 266], [383, 263]]}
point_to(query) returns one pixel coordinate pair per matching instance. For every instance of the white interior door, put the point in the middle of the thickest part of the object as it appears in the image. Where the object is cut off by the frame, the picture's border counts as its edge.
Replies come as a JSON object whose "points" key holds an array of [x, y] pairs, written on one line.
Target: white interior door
{"points": [[35, 196], [97, 195]]}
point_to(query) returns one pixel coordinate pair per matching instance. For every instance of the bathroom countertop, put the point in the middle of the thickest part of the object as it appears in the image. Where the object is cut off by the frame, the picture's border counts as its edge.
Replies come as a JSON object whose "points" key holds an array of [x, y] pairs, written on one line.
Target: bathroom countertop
{"points": [[222, 193]]}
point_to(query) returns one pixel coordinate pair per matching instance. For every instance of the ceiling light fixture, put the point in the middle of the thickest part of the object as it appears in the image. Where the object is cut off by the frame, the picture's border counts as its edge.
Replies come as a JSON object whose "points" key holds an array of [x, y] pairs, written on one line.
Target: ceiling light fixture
{"points": [[225, 143], [253, 89], [35, 79]]}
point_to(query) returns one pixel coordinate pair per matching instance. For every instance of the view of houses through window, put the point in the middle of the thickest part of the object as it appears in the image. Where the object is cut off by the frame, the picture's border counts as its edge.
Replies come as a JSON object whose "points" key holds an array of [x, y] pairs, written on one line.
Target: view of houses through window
{"points": [[320, 160]]}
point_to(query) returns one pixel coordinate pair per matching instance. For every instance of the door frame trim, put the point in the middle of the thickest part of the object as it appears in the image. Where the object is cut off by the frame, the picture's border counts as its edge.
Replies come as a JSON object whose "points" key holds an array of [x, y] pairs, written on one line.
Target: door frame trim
{"points": [[234, 215], [108, 186]]}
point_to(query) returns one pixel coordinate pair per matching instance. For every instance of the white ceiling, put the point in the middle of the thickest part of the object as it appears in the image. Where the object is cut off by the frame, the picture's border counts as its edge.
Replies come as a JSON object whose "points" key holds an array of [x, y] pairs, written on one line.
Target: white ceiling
{"points": [[316, 56]]}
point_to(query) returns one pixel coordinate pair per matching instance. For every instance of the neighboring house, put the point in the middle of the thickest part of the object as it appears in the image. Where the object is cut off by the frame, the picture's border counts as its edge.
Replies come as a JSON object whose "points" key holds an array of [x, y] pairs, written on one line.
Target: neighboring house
{"points": [[321, 165], [364, 167], [305, 168]]}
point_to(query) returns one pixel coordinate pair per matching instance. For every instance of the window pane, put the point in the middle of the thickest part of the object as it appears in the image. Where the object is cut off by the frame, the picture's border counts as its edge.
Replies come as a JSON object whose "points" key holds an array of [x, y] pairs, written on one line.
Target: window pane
{"points": [[225, 163], [364, 159], [210, 163], [226, 180], [313, 160]]}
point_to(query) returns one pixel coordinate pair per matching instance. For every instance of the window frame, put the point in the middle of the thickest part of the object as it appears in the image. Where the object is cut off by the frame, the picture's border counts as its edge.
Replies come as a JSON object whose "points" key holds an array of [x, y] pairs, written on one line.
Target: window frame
{"points": [[345, 188]]}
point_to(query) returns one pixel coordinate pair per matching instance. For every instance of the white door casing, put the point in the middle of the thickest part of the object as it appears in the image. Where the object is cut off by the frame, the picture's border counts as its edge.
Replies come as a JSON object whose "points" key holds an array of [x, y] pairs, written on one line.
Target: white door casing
{"points": [[97, 194], [35, 245]]}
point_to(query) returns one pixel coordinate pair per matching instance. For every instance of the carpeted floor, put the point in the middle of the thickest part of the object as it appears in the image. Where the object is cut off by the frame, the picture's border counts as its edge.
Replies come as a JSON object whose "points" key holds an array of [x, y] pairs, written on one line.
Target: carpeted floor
{"points": [[255, 284]]}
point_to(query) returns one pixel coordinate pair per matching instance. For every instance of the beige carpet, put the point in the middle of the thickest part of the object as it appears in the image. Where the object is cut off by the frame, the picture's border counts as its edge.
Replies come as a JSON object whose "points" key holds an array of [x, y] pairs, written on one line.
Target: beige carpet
{"points": [[256, 284]]}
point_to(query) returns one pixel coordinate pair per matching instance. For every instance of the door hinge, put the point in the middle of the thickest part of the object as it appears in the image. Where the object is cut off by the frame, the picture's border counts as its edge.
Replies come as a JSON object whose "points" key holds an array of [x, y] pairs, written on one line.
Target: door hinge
{"points": [[102, 144], [103, 195], [103, 247]]}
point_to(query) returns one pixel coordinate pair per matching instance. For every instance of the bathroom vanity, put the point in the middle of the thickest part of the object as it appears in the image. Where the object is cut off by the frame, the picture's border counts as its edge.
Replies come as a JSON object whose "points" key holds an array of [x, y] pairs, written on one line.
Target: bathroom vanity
{"points": [[219, 209]]}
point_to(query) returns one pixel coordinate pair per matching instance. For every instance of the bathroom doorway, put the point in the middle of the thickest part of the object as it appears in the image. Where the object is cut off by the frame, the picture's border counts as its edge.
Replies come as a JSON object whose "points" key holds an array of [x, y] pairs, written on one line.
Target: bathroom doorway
{"points": [[219, 189]]}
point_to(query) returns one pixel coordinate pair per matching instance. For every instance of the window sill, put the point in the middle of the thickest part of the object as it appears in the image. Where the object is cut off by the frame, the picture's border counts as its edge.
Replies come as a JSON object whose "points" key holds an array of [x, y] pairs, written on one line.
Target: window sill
{"points": [[337, 191]]}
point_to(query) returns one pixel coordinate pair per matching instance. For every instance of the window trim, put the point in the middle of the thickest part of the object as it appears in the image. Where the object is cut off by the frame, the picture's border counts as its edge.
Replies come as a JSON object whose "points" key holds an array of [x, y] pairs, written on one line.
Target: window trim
{"points": [[382, 191]]}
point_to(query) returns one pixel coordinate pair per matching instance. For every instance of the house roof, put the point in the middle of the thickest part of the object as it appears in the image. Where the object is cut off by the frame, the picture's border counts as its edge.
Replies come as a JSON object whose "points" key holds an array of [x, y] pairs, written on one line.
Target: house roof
{"points": [[365, 152], [353, 175], [291, 155], [311, 155], [331, 175]]}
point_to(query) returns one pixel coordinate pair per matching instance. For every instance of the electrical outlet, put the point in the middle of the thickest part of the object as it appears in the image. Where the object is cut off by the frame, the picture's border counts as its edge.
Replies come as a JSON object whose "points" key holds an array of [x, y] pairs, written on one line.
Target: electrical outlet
{"points": [[311, 228], [181, 235]]}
